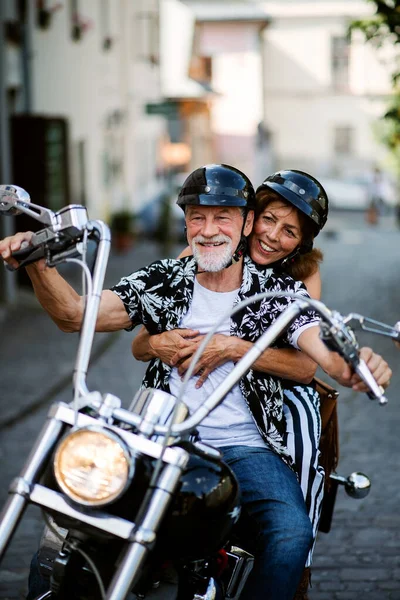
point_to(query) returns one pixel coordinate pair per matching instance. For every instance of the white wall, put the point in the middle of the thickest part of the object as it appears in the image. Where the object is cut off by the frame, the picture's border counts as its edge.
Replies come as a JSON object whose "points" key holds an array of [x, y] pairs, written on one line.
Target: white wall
{"points": [[237, 108], [302, 107], [102, 93]]}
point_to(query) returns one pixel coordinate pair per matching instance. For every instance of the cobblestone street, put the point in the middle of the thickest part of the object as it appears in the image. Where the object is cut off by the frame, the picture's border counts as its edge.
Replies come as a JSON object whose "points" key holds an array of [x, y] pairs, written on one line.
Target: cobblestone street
{"points": [[360, 557]]}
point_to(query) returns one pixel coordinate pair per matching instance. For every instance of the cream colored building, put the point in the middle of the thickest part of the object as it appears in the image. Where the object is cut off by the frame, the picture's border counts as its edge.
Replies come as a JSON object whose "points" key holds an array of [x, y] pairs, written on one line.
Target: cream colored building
{"points": [[228, 41], [323, 91], [317, 92]]}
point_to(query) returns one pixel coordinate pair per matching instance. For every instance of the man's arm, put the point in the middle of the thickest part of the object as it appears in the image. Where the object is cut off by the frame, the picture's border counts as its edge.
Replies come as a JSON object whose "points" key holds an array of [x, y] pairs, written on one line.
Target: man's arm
{"points": [[337, 368], [59, 299], [66, 307], [287, 363]]}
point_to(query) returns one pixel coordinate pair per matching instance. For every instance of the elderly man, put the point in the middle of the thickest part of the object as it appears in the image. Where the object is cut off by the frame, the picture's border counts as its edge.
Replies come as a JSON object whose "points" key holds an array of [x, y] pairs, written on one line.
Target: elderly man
{"points": [[248, 427]]}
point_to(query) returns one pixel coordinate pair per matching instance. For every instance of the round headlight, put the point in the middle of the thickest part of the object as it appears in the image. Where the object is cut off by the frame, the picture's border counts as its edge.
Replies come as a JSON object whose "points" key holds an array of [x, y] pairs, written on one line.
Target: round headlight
{"points": [[92, 466]]}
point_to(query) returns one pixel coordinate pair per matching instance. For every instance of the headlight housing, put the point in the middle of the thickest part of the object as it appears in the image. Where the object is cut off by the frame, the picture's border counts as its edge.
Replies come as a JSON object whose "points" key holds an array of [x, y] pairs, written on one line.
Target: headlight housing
{"points": [[93, 466]]}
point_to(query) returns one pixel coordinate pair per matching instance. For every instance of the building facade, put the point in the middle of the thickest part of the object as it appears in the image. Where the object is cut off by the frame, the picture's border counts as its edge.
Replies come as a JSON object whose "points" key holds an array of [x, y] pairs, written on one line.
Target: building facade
{"points": [[83, 90], [324, 88], [313, 92]]}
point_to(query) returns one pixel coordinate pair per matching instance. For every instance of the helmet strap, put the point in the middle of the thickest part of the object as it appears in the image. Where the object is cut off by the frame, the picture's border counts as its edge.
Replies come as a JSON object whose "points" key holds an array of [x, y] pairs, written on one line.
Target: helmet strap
{"points": [[242, 245], [289, 258], [240, 251], [302, 249], [306, 247]]}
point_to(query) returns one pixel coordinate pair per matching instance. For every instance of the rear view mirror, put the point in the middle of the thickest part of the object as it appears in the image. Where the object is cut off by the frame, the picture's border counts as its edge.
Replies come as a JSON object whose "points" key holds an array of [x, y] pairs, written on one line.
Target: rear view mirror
{"points": [[10, 197]]}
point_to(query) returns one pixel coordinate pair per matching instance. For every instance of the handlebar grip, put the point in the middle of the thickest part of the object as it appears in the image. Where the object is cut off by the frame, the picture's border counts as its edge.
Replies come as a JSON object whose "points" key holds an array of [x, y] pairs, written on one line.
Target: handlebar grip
{"points": [[26, 256], [376, 391]]}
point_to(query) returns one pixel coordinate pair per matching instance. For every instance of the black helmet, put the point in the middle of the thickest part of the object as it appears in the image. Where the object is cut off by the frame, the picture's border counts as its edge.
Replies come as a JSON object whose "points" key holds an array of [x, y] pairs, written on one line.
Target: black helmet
{"points": [[217, 185], [303, 191]]}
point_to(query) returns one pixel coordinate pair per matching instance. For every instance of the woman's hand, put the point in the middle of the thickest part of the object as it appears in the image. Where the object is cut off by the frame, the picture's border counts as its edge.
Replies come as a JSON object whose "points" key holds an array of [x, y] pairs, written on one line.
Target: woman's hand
{"points": [[168, 344], [397, 327], [218, 351], [378, 367], [163, 345], [376, 364]]}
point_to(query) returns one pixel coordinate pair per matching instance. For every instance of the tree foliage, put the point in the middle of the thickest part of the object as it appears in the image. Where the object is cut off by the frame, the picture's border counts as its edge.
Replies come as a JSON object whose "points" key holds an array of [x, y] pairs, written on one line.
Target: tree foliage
{"points": [[381, 28]]}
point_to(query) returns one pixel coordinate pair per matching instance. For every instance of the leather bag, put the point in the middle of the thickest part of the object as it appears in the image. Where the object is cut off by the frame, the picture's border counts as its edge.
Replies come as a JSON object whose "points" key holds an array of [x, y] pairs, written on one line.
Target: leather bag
{"points": [[329, 442]]}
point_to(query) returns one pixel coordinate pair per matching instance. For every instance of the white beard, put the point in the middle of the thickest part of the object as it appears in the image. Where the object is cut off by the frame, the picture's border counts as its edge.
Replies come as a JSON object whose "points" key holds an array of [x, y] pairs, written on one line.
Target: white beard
{"points": [[214, 260]]}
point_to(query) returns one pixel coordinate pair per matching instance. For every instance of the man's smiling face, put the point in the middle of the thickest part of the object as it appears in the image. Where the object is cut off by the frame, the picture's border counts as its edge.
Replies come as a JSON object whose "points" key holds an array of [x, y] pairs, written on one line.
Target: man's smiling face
{"points": [[213, 233]]}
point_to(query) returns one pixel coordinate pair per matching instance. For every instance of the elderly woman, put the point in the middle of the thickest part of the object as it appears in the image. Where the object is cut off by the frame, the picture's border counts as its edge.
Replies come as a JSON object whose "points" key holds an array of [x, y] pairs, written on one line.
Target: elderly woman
{"points": [[291, 209]]}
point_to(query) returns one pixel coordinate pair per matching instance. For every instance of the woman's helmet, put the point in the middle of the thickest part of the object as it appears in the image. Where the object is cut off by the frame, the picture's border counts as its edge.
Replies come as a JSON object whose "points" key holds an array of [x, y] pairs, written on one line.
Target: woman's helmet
{"points": [[303, 191], [217, 185]]}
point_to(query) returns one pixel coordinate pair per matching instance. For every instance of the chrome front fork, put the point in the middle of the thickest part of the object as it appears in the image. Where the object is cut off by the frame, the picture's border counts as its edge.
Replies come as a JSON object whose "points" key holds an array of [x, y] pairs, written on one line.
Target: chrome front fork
{"points": [[21, 487]]}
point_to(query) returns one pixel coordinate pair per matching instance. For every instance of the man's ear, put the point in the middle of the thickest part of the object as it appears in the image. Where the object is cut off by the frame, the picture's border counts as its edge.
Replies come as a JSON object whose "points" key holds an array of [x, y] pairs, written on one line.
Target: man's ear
{"points": [[248, 226]]}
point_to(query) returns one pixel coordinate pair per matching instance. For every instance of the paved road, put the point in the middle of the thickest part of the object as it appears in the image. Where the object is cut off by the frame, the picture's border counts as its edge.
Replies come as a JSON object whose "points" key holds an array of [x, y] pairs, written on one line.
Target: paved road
{"points": [[360, 557]]}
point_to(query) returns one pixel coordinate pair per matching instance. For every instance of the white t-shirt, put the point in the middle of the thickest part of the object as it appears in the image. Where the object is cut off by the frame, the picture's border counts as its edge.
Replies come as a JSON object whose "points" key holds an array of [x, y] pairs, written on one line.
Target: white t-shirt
{"points": [[231, 423]]}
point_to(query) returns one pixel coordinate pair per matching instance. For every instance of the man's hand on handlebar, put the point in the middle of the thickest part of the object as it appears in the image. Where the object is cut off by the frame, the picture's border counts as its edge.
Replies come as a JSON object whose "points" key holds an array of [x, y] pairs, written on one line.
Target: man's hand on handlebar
{"points": [[14, 243]]}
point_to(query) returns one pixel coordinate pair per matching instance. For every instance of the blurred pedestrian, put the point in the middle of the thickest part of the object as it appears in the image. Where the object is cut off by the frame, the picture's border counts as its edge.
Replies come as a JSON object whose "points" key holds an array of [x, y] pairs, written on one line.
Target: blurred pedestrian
{"points": [[376, 194]]}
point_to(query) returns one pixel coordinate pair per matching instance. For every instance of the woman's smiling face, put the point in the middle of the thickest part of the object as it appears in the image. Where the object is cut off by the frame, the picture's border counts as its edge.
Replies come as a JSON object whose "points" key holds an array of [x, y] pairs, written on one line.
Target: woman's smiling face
{"points": [[276, 233]]}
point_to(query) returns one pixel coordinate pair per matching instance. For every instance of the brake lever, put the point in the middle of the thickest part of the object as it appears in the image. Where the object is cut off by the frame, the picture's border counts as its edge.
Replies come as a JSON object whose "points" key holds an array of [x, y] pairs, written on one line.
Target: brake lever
{"points": [[339, 337]]}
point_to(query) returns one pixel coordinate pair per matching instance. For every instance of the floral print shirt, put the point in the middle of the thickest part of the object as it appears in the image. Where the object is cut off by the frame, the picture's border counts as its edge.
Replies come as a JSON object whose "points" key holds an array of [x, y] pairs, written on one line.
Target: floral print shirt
{"points": [[159, 295]]}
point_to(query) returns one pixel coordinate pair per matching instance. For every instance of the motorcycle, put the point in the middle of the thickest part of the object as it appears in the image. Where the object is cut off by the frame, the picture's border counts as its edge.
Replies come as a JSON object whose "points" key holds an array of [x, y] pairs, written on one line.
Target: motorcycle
{"points": [[130, 496]]}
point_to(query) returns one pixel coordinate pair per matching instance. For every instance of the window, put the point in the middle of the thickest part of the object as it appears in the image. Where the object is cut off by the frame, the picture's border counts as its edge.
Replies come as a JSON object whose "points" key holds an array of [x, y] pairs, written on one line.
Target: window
{"points": [[148, 36], [78, 23], [343, 140], [105, 33], [340, 46]]}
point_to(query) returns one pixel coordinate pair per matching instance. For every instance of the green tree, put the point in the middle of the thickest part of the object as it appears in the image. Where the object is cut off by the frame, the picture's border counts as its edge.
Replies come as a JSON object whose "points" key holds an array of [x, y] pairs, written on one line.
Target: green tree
{"points": [[381, 28]]}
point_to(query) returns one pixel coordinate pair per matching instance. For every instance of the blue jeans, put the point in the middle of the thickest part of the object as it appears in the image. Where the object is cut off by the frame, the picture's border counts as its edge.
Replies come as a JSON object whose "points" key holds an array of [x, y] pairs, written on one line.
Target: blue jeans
{"points": [[275, 522]]}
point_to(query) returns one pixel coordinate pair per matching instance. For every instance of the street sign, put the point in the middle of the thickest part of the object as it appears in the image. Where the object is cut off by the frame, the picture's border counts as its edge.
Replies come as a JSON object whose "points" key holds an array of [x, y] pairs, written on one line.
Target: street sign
{"points": [[166, 108]]}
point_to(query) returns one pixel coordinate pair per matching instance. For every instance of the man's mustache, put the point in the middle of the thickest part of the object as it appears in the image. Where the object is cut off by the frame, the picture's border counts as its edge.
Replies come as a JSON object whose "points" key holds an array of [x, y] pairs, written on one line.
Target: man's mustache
{"points": [[215, 239]]}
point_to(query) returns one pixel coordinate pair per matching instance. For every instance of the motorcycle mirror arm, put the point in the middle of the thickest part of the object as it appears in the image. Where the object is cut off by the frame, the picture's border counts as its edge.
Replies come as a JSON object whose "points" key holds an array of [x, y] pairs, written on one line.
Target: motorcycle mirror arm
{"points": [[378, 328], [39, 213]]}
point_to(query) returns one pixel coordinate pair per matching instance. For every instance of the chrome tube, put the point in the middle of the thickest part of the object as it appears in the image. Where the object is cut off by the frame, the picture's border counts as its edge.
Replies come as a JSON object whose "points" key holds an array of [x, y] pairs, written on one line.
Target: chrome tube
{"points": [[15, 506], [130, 567], [9, 518], [90, 318]]}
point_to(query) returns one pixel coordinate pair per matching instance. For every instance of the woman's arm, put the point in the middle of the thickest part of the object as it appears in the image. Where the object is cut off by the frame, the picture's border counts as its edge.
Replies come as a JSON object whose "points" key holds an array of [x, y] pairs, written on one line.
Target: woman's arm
{"points": [[178, 346], [287, 363], [163, 345], [313, 284]]}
